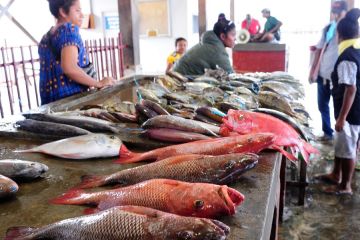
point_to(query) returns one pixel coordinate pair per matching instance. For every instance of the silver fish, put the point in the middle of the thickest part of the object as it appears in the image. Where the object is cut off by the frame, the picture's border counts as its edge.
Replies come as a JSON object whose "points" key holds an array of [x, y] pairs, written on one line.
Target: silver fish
{"points": [[8, 187], [14, 168], [81, 147]]}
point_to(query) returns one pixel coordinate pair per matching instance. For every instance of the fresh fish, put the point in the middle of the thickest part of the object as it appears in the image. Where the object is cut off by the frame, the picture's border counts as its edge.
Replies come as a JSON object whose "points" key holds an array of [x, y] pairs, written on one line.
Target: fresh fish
{"points": [[213, 93], [222, 169], [245, 122], [20, 169], [197, 199], [155, 107], [157, 89], [126, 223], [8, 187], [244, 78], [179, 97], [147, 94], [145, 111], [212, 113], [207, 79], [202, 118], [273, 100], [196, 87], [169, 83], [177, 76], [174, 136], [241, 102], [252, 143], [123, 107], [91, 106], [49, 128], [243, 91], [124, 117], [81, 122], [218, 73], [282, 89], [227, 87], [82, 147], [179, 123], [226, 106]]}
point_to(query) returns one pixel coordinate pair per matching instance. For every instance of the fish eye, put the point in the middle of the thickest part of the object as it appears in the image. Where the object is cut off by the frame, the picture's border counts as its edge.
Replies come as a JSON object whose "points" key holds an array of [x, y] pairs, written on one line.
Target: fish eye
{"points": [[230, 164], [112, 137], [186, 235], [198, 204]]}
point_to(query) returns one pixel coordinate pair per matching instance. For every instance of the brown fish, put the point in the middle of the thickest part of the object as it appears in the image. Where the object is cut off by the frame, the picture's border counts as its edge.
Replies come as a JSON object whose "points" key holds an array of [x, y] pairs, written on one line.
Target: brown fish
{"points": [[173, 135], [222, 169], [126, 223]]}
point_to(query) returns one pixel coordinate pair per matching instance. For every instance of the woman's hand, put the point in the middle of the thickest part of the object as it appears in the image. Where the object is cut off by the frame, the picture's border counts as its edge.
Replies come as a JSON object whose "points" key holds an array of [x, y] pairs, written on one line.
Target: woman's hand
{"points": [[105, 82]]}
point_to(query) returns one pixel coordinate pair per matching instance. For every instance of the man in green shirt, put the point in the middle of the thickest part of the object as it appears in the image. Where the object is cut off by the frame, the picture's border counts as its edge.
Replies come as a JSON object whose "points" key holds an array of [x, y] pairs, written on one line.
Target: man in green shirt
{"points": [[271, 31]]}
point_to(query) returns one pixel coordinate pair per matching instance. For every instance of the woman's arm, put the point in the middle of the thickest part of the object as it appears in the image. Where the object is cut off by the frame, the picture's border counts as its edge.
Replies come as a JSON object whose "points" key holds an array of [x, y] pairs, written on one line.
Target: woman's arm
{"points": [[70, 67]]}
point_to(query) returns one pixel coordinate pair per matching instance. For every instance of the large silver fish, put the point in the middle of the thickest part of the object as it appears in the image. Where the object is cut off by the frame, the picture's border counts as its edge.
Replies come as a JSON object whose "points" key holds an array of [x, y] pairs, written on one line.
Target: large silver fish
{"points": [[126, 223], [14, 168], [81, 147]]}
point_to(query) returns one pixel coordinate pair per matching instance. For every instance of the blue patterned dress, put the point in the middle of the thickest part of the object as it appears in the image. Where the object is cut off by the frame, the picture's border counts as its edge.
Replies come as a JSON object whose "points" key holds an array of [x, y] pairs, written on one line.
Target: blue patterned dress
{"points": [[54, 84]]}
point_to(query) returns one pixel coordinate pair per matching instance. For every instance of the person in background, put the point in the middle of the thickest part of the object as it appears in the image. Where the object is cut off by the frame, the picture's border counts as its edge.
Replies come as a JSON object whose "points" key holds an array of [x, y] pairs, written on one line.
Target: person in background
{"points": [[210, 53], [63, 55], [221, 17], [325, 57], [180, 49], [271, 31], [251, 24], [346, 95]]}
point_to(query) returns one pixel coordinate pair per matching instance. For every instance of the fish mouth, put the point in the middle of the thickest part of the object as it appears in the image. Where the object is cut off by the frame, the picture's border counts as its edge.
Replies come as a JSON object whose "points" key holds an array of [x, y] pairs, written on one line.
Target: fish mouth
{"points": [[231, 197], [230, 177], [222, 226]]}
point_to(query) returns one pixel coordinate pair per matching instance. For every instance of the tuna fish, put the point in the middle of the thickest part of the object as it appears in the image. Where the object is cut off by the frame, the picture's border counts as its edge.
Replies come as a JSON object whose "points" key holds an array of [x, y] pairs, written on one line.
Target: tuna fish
{"points": [[252, 143], [223, 169], [21, 169], [126, 223], [182, 198], [82, 147]]}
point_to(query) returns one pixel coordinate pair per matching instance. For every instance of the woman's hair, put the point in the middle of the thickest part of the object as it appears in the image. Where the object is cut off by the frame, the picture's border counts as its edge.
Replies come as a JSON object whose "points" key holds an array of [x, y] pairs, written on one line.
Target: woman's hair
{"points": [[55, 6], [179, 40], [223, 26], [348, 27]]}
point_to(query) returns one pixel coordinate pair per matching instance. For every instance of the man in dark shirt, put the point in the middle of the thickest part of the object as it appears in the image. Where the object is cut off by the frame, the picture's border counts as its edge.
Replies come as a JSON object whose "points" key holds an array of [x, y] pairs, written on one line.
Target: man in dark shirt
{"points": [[271, 31]]}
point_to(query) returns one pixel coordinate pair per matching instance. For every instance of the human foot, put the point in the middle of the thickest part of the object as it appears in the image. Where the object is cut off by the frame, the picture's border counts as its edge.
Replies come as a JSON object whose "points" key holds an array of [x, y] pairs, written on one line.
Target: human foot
{"points": [[337, 190]]}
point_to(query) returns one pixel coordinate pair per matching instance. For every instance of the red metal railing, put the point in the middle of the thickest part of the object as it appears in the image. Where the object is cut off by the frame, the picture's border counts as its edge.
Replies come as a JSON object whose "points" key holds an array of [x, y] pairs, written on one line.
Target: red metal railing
{"points": [[19, 72]]}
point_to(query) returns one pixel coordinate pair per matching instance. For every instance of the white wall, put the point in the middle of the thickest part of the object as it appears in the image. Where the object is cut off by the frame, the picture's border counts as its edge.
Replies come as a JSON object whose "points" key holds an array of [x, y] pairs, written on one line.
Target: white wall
{"points": [[155, 50]]}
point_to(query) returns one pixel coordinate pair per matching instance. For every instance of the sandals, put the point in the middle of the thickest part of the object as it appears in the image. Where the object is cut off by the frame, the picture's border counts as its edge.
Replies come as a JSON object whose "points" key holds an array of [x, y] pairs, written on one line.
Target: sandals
{"points": [[338, 192]]}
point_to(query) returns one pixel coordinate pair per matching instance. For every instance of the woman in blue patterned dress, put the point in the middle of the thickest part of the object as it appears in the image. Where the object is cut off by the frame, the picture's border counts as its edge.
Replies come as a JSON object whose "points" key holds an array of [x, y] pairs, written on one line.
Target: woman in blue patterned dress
{"points": [[63, 55]]}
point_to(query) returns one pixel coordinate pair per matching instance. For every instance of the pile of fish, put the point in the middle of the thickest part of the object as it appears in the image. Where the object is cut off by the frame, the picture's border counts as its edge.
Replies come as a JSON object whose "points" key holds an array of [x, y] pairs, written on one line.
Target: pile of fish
{"points": [[211, 121], [13, 171]]}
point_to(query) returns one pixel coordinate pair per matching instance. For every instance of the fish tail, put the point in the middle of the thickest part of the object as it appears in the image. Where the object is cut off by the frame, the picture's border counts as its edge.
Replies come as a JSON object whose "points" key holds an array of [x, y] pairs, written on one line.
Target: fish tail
{"points": [[288, 155], [25, 151], [126, 156], [306, 149], [18, 232], [72, 197], [91, 181]]}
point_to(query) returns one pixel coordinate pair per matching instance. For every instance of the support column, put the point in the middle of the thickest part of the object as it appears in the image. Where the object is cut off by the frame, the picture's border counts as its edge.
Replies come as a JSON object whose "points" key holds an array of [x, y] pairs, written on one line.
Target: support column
{"points": [[351, 4], [202, 17], [232, 10], [129, 27]]}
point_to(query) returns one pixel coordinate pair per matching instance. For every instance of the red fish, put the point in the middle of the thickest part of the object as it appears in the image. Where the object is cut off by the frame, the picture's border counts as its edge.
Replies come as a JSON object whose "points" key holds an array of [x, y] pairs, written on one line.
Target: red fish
{"points": [[245, 122], [182, 198], [252, 143]]}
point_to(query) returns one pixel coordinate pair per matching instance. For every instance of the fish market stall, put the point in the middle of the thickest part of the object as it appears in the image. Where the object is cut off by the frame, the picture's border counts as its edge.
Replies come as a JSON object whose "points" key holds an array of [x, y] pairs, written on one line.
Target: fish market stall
{"points": [[139, 113]]}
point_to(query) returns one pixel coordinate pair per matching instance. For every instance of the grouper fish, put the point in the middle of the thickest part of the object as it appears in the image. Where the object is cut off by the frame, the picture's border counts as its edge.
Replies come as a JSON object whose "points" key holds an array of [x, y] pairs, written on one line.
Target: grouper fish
{"points": [[182, 198], [126, 223], [222, 169], [81, 147]]}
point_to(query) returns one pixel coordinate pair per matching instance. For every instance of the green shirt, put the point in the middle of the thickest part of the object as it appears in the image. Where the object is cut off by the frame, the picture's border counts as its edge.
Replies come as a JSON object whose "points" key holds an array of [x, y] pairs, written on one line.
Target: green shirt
{"points": [[270, 23]]}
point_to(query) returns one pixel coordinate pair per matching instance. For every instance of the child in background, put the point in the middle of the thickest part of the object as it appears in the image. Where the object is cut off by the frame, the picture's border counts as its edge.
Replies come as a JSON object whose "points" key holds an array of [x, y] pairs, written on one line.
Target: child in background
{"points": [[346, 95], [180, 49]]}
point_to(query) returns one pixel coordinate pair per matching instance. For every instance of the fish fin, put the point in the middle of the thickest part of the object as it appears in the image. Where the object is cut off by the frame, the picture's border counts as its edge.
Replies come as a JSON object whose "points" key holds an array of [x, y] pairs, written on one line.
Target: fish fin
{"points": [[288, 155], [18, 232], [88, 211], [90, 181], [126, 156], [306, 150], [69, 197]]}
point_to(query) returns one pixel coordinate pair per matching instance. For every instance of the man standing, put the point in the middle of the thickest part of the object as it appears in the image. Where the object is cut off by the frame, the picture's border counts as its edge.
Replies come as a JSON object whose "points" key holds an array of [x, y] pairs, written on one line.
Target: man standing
{"points": [[271, 31], [251, 24], [325, 57]]}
